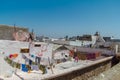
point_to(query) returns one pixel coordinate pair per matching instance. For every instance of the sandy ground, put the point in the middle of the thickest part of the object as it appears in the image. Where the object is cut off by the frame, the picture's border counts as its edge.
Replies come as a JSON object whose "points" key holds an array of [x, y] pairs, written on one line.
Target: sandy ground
{"points": [[5, 68]]}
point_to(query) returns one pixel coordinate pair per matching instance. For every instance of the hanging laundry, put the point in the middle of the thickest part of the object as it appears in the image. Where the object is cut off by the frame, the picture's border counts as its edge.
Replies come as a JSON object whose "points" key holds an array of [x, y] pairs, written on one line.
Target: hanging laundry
{"points": [[37, 60], [10, 56], [71, 52], [15, 55], [26, 61], [76, 59], [40, 54], [32, 56], [35, 67], [23, 56], [30, 62], [23, 66]]}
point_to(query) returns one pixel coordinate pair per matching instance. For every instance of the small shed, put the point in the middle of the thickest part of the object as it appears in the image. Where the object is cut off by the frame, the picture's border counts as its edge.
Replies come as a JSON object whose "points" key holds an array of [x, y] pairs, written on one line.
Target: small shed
{"points": [[61, 54], [87, 53]]}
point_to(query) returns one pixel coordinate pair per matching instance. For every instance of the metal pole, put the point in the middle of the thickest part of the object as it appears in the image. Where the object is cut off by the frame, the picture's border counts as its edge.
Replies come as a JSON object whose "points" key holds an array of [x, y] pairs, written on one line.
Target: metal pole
{"points": [[50, 65]]}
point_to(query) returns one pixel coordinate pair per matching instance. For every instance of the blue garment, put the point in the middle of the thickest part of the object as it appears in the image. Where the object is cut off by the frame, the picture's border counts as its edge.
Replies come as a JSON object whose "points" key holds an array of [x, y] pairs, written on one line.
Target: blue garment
{"points": [[32, 56], [30, 62], [24, 68]]}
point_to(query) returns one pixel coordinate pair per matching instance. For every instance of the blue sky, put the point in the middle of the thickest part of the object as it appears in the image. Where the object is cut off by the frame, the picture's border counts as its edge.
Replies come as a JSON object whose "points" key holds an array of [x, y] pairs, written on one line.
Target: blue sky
{"points": [[57, 18]]}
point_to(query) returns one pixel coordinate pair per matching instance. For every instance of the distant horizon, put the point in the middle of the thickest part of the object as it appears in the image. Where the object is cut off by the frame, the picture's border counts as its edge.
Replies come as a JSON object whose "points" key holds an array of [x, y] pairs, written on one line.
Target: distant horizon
{"points": [[57, 37], [58, 18]]}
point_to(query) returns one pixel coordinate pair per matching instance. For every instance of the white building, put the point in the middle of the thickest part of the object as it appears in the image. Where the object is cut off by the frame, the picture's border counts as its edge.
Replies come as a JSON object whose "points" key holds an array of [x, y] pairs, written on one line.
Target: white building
{"points": [[84, 42]]}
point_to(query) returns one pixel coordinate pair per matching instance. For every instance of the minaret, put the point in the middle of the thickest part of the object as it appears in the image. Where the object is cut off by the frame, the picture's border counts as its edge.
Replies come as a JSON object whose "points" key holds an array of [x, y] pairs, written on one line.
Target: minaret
{"points": [[99, 38], [97, 34], [15, 28], [14, 33]]}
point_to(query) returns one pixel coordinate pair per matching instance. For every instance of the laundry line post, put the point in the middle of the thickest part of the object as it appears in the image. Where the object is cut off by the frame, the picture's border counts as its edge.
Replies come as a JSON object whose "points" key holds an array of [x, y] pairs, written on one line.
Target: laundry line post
{"points": [[1, 66], [29, 47], [16, 67], [50, 65]]}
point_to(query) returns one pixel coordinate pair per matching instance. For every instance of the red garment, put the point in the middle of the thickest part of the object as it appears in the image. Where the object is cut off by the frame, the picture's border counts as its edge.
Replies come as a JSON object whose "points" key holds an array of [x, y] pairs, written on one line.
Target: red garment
{"points": [[13, 55], [10, 56], [71, 52], [40, 54]]}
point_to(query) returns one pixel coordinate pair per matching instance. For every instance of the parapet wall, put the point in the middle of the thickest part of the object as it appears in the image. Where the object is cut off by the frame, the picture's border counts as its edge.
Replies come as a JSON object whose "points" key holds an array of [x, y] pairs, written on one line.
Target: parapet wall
{"points": [[6, 32], [86, 72]]}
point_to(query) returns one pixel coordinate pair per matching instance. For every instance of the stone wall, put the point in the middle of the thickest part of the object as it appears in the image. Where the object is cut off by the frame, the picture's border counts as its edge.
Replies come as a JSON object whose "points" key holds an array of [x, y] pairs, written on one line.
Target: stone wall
{"points": [[85, 73], [6, 32], [111, 74]]}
